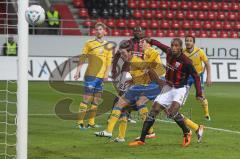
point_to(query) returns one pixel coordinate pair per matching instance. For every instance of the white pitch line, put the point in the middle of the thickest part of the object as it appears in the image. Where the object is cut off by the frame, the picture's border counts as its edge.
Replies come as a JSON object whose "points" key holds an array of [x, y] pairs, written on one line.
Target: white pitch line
{"points": [[207, 127], [164, 121]]}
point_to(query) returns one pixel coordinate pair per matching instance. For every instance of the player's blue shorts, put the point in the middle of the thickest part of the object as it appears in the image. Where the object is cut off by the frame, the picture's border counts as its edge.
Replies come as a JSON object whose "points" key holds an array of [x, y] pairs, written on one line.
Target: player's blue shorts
{"points": [[150, 91], [191, 81], [93, 84]]}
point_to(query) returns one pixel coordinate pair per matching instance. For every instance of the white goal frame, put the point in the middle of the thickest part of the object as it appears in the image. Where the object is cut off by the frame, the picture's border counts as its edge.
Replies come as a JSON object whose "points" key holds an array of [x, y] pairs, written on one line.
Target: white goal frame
{"points": [[22, 88]]}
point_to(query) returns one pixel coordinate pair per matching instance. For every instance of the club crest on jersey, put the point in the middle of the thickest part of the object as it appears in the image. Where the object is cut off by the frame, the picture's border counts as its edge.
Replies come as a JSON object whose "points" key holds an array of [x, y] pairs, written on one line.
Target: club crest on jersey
{"points": [[177, 64]]}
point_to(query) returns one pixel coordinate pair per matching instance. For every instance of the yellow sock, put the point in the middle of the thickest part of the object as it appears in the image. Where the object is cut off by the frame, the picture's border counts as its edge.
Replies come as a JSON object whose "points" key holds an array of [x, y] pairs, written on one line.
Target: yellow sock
{"points": [[205, 107], [92, 115], [143, 114], [113, 119], [122, 127], [190, 123], [82, 112]]}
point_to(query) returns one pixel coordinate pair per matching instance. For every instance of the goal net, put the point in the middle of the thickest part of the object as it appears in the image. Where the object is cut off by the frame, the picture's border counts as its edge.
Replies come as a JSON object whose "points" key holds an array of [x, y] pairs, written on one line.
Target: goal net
{"points": [[13, 80]]}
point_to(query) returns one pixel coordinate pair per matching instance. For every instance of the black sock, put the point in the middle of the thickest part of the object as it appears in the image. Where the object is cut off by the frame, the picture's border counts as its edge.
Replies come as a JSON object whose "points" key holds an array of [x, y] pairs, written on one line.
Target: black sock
{"points": [[148, 123], [180, 121]]}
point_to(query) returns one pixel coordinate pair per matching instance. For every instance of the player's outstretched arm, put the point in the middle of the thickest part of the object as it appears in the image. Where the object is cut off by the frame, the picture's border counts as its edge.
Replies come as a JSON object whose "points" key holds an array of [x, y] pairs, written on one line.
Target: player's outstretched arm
{"points": [[160, 45]]}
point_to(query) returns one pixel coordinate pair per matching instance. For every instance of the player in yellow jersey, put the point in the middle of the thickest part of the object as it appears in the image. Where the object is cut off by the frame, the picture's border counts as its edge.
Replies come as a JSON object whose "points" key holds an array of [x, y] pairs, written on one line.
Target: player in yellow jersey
{"points": [[99, 57], [143, 88], [198, 57]]}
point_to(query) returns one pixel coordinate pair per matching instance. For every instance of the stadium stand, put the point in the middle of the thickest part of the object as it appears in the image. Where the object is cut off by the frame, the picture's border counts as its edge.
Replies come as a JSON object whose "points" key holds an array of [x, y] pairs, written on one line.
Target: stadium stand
{"points": [[216, 19]]}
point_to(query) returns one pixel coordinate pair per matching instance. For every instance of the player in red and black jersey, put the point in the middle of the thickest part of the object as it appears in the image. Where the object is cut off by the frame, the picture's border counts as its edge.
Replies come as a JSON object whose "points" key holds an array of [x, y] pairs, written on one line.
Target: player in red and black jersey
{"points": [[173, 94]]}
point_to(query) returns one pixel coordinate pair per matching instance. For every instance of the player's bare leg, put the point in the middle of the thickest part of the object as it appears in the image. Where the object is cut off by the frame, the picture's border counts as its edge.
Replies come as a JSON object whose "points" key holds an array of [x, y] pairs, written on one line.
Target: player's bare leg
{"points": [[173, 113], [148, 123]]}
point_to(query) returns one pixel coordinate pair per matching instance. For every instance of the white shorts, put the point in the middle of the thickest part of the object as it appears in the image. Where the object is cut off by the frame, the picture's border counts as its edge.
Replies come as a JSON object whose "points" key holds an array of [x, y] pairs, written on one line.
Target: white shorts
{"points": [[170, 94]]}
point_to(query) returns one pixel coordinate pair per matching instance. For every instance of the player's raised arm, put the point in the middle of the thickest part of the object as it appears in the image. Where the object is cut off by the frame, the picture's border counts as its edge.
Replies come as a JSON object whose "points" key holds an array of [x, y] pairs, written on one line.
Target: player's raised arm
{"points": [[194, 74], [161, 46]]}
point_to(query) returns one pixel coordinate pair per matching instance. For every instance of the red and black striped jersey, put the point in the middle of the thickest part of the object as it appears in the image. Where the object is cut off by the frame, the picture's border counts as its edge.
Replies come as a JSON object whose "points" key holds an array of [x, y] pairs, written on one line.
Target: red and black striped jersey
{"points": [[178, 69]]}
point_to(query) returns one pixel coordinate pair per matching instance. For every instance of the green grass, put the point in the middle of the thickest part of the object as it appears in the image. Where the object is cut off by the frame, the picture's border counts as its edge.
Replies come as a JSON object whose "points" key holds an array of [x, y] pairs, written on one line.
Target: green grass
{"points": [[53, 138]]}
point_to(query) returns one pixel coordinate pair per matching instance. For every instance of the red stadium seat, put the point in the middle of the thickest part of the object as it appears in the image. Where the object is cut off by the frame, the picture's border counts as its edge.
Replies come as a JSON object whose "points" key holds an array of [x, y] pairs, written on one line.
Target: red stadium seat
{"points": [[160, 33], [213, 34], [181, 33], [170, 33], [196, 25], [237, 26], [195, 5], [149, 33], [116, 32], [132, 23], [220, 16], [227, 25], [235, 7], [207, 25], [174, 5], [192, 33], [232, 15], [164, 24], [163, 5], [142, 4], [153, 4], [201, 15], [154, 24], [159, 14], [214, 6], [190, 15], [211, 15], [225, 6], [205, 6], [127, 32], [203, 34], [223, 34], [176, 25], [233, 35], [132, 4], [169, 14], [121, 23], [186, 25], [180, 15], [148, 14], [92, 32], [137, 14], [78, 3], [110, 23], [143, 23], [87, 23], [184, 5], [217, 25], [83, 13]]}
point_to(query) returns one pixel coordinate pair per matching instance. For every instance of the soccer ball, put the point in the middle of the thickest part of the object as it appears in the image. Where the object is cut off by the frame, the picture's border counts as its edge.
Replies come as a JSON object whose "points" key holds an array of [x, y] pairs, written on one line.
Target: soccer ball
{"points": [[35, 15]]}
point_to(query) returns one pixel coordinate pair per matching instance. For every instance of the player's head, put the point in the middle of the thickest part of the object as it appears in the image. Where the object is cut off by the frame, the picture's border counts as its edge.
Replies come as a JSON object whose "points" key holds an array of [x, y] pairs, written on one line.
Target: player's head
{"points": [[125, 50], [176, 46], [189, 41], [100, 29], [137, 32], [145, 42]]}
